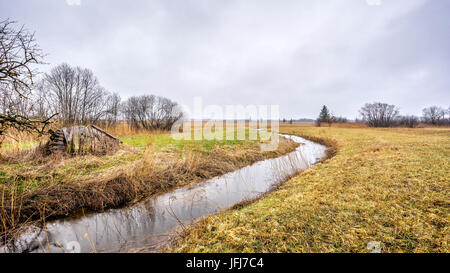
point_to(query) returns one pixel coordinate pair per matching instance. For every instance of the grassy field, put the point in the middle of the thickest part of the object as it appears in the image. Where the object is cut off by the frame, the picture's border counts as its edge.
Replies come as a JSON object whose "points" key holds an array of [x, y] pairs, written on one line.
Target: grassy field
{"points": [[37, 187], [385, 185], [22, 168]]}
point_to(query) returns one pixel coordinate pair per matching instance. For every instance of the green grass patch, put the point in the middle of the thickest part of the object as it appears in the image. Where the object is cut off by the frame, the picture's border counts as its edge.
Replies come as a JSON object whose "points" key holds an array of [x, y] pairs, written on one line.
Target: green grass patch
{"points": [[29, 175], [25, 145], [207, 143]]}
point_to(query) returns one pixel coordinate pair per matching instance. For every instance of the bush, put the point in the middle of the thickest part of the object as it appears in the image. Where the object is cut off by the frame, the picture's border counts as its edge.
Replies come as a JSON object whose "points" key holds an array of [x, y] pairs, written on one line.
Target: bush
{"points": [[379, 114], [434, 115], [408, 121], [340, 119]]}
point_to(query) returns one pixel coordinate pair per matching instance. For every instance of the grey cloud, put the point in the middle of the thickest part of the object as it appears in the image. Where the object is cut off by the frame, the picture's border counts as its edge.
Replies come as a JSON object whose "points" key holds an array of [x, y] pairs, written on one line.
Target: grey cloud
{"points": [[298, 54]]}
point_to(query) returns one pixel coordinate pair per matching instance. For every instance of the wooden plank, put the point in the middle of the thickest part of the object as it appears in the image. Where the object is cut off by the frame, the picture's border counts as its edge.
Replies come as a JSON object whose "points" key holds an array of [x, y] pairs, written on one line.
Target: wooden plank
{"points": [[111, 136]]}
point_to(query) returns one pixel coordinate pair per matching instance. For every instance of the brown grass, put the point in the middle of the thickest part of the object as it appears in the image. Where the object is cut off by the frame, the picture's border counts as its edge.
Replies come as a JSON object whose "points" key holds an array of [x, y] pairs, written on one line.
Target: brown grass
{"points": [[159, 170], [385, 185]]}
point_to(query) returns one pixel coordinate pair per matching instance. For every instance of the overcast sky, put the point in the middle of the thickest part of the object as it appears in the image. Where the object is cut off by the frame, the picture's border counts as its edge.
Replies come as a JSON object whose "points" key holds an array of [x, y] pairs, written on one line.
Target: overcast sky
{"points": [[297, 54]]}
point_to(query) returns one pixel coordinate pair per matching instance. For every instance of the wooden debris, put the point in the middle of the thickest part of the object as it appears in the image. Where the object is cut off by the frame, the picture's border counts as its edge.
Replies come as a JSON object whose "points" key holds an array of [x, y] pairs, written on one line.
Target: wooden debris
{"points": [[82, 140]]}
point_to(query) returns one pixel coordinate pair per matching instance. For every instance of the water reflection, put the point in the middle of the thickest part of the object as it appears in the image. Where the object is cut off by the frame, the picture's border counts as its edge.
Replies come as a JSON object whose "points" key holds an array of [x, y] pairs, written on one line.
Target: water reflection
{"points": [[150, 221]]}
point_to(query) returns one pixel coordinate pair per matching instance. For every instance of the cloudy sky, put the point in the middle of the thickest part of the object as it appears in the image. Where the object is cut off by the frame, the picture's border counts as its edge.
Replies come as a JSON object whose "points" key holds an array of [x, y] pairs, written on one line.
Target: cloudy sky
{"points": [[294, 53]]}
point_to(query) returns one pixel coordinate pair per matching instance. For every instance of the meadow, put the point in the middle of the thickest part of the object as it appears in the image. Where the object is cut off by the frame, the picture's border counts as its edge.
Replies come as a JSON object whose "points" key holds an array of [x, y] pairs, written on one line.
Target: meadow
{"points": [[35, 187], [389, 186]]}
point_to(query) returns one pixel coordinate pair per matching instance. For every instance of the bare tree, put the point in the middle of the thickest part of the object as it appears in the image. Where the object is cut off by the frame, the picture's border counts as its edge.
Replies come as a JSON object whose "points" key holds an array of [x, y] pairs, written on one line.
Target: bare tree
{"points": [[434, 115], [112, 113], [19, 55], [340, 119], [448, 114], [41, 104], [166, 113], [150, 112], [379, 114], [76, 94], [12, 102], [408, 121], [130, 110]]}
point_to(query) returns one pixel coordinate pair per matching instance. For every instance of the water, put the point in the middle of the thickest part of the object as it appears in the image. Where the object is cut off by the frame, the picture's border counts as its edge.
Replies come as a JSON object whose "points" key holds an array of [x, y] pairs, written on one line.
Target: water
{"points": [[151, 221]]}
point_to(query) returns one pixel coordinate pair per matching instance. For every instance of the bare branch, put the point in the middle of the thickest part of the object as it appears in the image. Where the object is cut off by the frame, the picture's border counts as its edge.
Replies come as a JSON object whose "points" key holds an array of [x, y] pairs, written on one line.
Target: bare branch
{"points": [[19, 53]]}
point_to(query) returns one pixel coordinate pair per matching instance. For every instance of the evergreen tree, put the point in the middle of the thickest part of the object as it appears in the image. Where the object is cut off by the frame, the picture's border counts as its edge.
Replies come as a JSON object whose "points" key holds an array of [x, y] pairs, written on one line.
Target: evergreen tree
{"points": [[324, 116]]}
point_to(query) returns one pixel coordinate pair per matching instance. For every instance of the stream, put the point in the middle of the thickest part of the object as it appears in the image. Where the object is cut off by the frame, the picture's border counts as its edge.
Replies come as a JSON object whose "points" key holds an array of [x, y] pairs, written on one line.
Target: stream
{"points": [[153, 221]]}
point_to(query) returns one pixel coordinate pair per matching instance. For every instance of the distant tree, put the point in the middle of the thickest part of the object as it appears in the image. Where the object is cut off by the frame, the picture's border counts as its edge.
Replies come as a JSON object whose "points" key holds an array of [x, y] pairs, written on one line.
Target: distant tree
{"points": [[324, 116], [284, 120], [112, 111], [291, 121], [434, 115], [41, 104], [331, 120], [379, 114], [14, 103], [340, 119], [76, 94], [150, 112], [448, 116], [408, 121]]}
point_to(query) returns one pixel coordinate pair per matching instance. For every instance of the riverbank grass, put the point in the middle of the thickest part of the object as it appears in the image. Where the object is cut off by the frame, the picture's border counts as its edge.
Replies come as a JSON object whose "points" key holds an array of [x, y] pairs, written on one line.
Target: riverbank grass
{"points": [[34, 187], [389, 186]]}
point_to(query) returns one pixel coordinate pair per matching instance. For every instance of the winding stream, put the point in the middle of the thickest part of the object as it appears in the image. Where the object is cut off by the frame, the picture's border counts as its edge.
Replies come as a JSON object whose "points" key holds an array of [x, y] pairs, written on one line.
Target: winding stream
{"points": [[151, 221]]}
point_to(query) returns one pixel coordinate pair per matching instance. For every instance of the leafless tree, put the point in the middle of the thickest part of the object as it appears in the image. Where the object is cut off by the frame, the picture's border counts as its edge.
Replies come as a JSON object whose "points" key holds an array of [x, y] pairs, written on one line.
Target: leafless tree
{"points": [[112, 113], [12, 102], [19, 53], [434, 115], [166, 113], [448, 115], [130, 109], [340, 119], [19, 56], [151, 112], [41, 104], [76, 94], [408, 121], [379, 114]]}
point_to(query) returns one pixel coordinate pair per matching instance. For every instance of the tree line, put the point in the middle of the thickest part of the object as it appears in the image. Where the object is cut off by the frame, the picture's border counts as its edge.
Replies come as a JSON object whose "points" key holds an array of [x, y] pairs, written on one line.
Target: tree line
{"points": [[29, 100], [386, 115], [77, 96], [71, 95]]}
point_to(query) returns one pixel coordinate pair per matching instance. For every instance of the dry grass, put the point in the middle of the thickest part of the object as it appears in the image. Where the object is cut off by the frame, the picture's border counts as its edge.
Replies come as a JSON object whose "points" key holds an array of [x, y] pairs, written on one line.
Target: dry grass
{"points": [[37, 188], [324, 124], [384, 185]]}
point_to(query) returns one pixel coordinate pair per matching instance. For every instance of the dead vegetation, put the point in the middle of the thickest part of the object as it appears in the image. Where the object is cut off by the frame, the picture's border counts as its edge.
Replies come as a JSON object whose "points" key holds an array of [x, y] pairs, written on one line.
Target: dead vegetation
{"points": [[34, 188], [388, 186]]}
